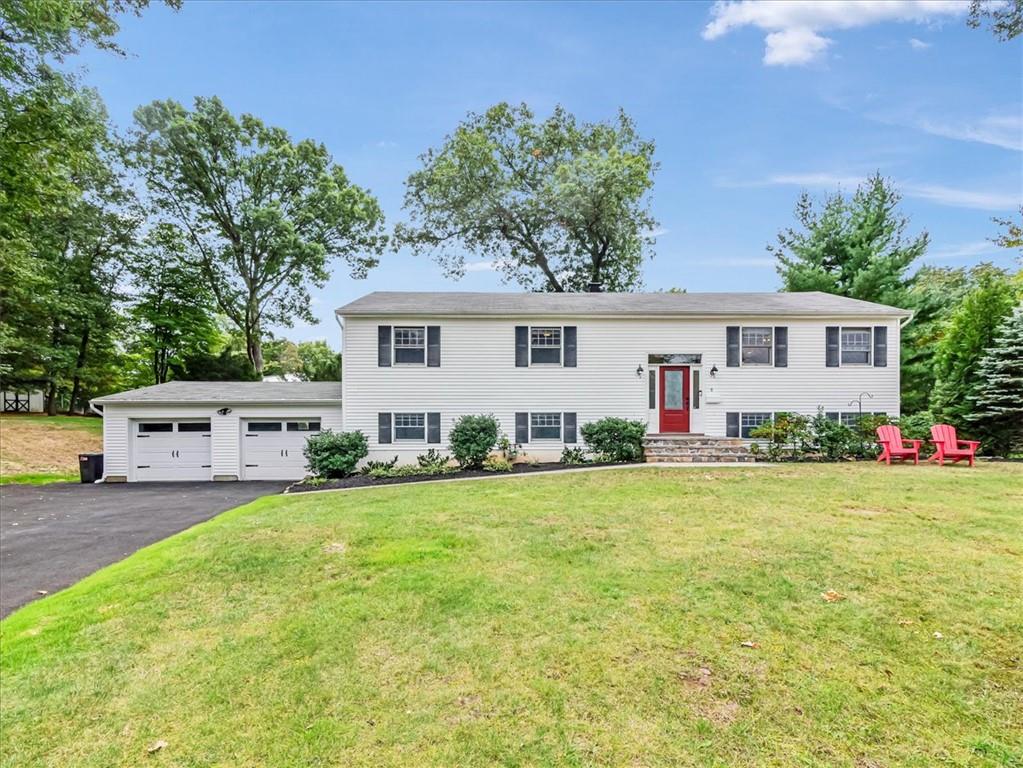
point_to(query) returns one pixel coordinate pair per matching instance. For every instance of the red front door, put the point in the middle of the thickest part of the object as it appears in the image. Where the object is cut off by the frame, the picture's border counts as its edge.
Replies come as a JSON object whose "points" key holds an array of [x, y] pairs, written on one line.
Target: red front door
{"points": [[674, 399]]}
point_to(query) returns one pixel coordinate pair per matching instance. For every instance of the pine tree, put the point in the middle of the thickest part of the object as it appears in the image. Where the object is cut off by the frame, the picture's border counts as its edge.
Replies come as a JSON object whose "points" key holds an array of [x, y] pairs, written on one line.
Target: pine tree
{"points": [[999, 397]]}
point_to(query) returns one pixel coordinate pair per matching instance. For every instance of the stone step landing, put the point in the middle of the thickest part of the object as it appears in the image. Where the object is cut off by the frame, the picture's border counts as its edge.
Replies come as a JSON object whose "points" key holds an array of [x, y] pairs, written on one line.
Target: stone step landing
{"points": [[694, 448]]}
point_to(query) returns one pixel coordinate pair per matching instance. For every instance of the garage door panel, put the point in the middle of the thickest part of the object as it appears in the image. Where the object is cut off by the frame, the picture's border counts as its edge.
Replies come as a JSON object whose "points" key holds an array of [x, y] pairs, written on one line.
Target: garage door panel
{"points": [[272, 451], [172, 450]]}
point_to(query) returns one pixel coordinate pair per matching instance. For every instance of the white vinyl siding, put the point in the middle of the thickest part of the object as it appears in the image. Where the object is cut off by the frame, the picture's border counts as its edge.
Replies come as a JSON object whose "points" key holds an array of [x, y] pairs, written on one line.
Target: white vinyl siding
{"points": [[482, 378]]}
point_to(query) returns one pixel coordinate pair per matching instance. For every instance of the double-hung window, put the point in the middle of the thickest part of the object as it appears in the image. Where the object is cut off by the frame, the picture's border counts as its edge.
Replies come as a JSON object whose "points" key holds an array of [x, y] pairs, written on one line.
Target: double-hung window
{"points": [[856, 346], [750, 421], [410, 345], [756, 346], [410, 426], [545, 346], [544, 426]]}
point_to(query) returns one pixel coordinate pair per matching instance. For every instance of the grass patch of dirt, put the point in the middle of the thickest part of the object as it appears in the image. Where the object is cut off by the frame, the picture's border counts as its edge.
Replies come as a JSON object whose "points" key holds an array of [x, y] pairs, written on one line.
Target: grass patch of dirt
{"points": [[46, 445]]}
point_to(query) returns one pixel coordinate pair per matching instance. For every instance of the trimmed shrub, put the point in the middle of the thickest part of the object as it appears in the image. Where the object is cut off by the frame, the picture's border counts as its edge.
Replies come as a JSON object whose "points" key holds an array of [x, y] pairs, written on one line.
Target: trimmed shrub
{"points": [[830, 439], [335, 454], [614, 439], [917, 426], [785, 430], [471, 440]]}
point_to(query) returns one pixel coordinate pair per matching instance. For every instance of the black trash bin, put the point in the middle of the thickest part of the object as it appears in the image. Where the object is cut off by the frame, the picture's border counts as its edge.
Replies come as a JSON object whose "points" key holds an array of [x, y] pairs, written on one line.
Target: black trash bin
{"points": [[90, 466]]}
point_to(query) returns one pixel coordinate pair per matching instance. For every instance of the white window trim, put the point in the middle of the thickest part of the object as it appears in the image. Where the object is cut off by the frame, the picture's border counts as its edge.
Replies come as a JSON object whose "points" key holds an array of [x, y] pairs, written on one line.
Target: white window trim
{"points": [[561, 428], [770, 348], [394, 346], [561, 347], [409, 440], [870, 346]]}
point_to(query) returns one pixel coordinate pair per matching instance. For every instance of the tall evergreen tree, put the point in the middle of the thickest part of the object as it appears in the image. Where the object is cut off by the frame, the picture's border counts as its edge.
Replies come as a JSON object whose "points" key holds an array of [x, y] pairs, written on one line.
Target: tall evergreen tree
{"points": [[998, 401], [855, 247], [968, 336]]}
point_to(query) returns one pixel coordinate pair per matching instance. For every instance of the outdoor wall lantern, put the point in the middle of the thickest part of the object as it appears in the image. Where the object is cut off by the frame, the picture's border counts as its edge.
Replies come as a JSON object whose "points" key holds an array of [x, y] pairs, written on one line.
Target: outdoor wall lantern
{"points": [[639, 371], [224, 411], [714, 370]]}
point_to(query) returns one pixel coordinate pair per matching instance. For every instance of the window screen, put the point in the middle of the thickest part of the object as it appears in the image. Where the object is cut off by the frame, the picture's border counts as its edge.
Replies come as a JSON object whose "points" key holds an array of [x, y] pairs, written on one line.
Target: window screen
{"points": [[410, 345], [545, 426], [855, 346], [545, 345], [409, 426], [756, 346]]}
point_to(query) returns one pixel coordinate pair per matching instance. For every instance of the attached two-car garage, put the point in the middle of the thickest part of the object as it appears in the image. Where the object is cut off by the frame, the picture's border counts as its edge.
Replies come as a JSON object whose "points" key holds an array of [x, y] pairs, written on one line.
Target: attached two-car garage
{"points": [[215, 430]]}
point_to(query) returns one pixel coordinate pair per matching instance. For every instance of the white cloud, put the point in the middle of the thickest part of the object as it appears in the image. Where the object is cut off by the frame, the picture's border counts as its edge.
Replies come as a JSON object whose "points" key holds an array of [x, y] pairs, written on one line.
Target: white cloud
{"points": [[482, 266], [793, 26], [1001, 130], [656, 232], [954, 197], [959, 251], [918, 45]]}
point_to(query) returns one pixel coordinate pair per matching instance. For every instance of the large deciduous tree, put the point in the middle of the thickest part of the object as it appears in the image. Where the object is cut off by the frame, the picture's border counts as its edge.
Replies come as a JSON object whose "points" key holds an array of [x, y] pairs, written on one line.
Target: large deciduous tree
{"points": [[554, 204], [171, 313], [264, 215], [1005, 17]]}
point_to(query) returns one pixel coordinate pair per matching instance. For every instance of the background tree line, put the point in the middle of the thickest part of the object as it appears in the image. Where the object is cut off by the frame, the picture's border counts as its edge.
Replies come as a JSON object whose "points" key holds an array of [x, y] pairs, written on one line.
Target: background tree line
{"points": [[169, 251]]}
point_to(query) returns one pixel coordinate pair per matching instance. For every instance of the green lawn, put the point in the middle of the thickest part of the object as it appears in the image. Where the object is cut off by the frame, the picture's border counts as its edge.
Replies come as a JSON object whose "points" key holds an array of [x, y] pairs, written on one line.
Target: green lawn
{"points": [[37, 449], [584, 619]]}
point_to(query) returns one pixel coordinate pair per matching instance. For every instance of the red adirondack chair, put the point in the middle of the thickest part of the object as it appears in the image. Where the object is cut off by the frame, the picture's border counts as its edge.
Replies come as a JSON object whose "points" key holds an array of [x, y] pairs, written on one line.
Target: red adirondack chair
{"points": [[949, 447], [889, 437]]}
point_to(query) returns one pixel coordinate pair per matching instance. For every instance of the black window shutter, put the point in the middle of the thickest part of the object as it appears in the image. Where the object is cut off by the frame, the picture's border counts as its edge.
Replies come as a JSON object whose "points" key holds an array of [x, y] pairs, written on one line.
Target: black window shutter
{"points": [[831, 344], [384, 346], [880, 346], [521, 428], [696, 389], [831, 416], [568, 427], [433, 346], [433, 427], [732, 424], [570, 355], [383, 427], [781, 346], [521, 346], [732, 333], [653, 389]]}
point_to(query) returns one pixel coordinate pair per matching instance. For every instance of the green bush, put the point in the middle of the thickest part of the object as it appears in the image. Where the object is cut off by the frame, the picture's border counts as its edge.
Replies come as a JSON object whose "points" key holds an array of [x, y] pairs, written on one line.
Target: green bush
{"points": [[574, 456], [497, 464], [831, 440], [917, 426], [432, 461], [471, 440], [787, 430], [371, 466], [614, 439], [335, 454]]}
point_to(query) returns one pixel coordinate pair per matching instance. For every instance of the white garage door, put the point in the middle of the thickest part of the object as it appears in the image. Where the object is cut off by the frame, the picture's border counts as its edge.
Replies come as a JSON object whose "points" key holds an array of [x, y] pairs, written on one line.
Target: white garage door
{"points": [[272, 448], [172, 450]]}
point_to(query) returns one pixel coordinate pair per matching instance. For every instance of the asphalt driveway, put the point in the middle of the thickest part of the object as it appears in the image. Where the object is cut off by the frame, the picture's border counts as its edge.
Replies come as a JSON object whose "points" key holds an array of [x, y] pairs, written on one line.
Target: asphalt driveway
{"points": [[53, 535]]}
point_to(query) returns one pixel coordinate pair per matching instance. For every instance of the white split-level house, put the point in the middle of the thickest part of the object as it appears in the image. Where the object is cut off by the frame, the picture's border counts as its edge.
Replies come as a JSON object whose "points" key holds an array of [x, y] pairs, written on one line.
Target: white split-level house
{"points": [[543, 364]]}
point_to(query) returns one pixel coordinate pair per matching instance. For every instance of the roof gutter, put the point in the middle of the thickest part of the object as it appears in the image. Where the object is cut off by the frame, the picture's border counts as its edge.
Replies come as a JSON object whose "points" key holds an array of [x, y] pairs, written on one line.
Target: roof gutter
{"points": [[92, 407], [221, 403]]}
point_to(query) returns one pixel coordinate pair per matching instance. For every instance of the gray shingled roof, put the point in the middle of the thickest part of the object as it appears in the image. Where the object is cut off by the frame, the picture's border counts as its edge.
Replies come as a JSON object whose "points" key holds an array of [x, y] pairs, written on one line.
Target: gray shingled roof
{"points": [[230, 392], [701, 304]]}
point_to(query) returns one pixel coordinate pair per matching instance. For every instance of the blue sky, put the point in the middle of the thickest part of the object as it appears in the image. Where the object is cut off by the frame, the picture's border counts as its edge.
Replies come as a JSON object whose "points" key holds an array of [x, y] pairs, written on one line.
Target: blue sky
{"points": [[748, 104]]}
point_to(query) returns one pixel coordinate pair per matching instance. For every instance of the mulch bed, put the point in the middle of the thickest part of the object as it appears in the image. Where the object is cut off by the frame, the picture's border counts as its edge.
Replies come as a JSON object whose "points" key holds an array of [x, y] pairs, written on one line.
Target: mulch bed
{"points": [[362, 481]]}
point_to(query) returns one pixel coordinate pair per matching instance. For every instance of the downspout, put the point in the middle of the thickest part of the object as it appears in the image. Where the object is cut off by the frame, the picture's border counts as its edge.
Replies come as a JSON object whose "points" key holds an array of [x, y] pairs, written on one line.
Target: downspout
{"points": [[341, 327], [98, 410]]}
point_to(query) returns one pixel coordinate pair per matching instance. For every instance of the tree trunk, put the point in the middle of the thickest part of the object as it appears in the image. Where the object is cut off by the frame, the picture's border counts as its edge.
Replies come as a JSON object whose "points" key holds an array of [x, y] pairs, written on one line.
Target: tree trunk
{"points": [[51, 399], [254, 340], [76, 389]]}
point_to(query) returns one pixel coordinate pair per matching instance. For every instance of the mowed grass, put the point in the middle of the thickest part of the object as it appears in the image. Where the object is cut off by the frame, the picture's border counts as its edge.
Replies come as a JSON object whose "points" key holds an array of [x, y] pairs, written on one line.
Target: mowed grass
{"points": [[575, 620], [44, 449]]}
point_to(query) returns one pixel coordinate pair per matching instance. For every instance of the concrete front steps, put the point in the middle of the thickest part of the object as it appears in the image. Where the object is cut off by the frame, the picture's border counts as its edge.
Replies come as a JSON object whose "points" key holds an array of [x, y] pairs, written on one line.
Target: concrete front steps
{"points": [[694, 448]]}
